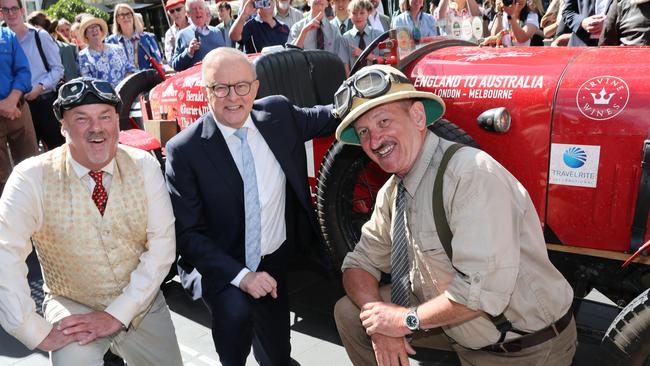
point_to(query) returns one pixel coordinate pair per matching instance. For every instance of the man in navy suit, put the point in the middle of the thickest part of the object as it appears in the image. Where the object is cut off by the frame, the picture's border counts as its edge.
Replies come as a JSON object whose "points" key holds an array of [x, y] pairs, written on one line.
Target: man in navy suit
{"points": [[238, 176], [585, 18]]}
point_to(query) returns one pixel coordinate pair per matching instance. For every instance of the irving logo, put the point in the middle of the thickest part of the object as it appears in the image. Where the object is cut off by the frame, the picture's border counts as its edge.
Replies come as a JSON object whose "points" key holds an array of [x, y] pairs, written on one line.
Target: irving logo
{"points": [[602, 97]]}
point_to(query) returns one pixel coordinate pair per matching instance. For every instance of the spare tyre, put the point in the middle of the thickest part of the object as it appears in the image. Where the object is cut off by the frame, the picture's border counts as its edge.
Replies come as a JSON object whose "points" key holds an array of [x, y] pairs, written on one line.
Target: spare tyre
{"points": [[627, 340], [348, 182], [130, 89]]}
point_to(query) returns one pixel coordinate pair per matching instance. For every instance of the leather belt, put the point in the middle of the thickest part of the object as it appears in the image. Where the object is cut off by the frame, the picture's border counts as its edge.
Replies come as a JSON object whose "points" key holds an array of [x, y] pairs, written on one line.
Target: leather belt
{"points": [[532, 339]]}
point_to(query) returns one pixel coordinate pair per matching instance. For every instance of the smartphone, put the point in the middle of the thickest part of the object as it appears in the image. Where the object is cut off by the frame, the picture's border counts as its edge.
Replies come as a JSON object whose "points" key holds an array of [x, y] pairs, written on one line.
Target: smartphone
{"points": [[196, 36], [260, 4]]}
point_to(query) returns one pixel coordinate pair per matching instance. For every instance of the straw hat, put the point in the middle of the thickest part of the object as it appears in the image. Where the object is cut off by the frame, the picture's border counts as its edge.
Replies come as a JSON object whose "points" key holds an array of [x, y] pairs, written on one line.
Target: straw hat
{"points": [[433, 105], [87, 22]]}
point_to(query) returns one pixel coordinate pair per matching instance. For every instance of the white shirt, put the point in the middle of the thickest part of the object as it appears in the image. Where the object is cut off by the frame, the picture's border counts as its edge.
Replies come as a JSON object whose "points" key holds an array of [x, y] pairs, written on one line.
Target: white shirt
{"points": [[271, 186], [532, 19], [21, 214]]}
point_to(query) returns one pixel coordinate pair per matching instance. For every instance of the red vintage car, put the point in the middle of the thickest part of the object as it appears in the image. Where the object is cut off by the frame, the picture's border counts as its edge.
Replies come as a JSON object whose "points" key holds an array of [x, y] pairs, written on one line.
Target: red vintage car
{"points": [[572, 124]]}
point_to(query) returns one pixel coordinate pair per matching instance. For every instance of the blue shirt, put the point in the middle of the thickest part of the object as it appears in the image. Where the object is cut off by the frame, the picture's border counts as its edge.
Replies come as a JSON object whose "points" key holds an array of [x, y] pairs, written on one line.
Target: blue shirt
{"points": [[14, 67], [144, 39], [225, 31], [181, 59], [425, 24], [40, 75], [334, 41], [258, 34], [352, 37], [109, 65]]}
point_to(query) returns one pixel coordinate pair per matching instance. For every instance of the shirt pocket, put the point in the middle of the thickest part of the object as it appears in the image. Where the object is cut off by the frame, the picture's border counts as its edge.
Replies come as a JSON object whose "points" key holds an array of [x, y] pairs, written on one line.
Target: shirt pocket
{"points": [[432, 266]]}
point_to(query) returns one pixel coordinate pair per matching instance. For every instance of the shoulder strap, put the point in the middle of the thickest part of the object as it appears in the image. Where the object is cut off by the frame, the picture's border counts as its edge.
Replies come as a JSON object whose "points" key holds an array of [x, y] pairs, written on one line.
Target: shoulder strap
{"points": [[500, 322], [439, 216], [37, 38]]}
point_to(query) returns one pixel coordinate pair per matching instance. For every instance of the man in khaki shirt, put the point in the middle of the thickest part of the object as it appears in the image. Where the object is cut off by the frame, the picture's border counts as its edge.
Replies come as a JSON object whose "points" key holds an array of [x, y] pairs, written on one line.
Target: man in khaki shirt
{"points": [[500, 270]]}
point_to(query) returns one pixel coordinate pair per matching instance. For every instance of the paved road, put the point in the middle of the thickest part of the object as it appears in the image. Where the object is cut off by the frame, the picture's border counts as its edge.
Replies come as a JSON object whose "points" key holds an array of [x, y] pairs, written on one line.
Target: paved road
{"points": [[315, 341]]}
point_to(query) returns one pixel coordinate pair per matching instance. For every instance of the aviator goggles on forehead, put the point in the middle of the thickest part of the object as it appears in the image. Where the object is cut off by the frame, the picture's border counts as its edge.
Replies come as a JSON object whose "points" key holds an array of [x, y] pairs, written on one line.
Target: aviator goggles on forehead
{"points": [[73, 92], [365, 84]]}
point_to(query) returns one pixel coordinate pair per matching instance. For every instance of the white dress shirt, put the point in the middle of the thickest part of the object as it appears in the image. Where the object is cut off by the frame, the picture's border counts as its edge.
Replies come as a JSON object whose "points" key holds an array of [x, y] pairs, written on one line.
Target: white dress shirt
{"points": [[271, 186], [21, 214]]}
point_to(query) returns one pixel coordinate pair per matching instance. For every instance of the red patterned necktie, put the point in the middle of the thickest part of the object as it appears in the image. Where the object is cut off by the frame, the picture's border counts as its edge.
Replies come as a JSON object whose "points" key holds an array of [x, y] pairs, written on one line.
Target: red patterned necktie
{"points": [[99, 193]]}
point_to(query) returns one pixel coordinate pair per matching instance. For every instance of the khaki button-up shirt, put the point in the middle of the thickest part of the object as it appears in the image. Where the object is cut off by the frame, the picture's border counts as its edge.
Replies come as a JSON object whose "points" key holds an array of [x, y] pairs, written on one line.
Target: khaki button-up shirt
{"points": [[498, 246]]}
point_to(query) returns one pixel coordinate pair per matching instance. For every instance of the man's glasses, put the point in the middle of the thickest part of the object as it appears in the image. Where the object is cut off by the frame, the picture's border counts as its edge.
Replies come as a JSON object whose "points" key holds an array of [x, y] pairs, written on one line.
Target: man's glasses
{"points": [[175, 10], [124, 15], [12, 10], [241, 88]]}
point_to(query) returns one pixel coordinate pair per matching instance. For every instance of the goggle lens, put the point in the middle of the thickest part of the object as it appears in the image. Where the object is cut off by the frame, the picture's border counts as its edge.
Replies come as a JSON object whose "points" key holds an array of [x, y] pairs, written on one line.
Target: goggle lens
{"points": [[104, 87], [371, 84], [342, 99]]}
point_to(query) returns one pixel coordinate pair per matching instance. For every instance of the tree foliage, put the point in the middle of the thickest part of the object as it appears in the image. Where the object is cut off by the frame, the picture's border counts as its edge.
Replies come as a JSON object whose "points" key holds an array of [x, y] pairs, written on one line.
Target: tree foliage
{"points": [[68, 9]]}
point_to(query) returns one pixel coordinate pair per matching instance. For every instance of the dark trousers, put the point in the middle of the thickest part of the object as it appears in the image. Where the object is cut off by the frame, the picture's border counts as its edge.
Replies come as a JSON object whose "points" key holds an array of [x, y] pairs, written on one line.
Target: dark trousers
{"points": [[239, 321], [48, 129]]}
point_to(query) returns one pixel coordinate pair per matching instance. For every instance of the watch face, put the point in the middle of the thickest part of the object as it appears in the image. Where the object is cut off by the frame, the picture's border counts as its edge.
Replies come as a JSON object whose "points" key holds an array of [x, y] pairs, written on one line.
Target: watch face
{"points": [[412, 322]]}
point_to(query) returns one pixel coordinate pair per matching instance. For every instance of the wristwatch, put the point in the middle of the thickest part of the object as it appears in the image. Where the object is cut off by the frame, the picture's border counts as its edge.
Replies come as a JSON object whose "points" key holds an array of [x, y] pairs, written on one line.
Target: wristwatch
{"points": [[411, 319]]}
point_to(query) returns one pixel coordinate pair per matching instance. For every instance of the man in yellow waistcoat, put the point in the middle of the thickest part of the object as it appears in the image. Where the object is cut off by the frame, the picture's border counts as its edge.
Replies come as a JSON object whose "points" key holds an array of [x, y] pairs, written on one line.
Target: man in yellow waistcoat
{"points": [[100, 218]]}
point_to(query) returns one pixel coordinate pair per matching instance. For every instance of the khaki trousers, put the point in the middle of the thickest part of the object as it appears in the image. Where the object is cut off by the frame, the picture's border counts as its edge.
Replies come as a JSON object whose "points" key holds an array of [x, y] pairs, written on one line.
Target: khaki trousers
{"points": [[558, 351], [19, 134], [153, 343]]}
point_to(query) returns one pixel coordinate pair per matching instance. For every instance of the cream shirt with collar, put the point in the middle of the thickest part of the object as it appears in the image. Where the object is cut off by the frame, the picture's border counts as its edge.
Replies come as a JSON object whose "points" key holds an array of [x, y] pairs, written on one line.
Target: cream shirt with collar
{"points": [[497, 244], [21, 214]]}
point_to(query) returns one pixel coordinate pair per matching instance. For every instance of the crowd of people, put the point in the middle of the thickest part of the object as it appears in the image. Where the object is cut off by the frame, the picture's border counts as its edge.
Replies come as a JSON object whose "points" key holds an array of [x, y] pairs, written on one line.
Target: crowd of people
{"points": [[234, 200]]}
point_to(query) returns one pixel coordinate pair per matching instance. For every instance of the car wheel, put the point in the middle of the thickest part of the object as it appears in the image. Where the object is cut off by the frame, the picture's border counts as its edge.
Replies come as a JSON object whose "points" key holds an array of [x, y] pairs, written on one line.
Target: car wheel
{"points": [[348, 182], [130, 90], [628, 338]]}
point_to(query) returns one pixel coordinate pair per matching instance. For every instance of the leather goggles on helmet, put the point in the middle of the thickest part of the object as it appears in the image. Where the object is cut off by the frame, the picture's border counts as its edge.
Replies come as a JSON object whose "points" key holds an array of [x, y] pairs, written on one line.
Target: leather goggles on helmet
{"points": [[82, 91], [365, 84]]}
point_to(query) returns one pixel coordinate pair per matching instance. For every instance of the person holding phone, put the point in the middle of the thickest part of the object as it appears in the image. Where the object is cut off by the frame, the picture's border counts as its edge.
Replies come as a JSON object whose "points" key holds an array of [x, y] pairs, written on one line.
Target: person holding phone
{"points": [[195, 41], [260, 31], [520, 22], [316, 32]]}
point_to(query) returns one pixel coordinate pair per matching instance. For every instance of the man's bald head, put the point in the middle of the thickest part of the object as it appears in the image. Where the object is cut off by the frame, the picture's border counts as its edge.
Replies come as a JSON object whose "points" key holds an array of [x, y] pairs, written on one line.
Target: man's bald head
{"points": [[222, 56]]}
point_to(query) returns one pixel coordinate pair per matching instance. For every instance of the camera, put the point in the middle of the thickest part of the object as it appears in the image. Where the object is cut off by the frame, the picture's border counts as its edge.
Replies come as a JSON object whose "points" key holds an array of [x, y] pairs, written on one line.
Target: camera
{"points": [[259, 4], [507, 2]]}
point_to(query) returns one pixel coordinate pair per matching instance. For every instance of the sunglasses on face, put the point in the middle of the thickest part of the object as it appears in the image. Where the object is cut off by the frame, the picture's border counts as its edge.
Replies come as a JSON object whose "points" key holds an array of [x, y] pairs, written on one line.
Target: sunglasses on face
{"points": [[175, 10], [124, 15]]}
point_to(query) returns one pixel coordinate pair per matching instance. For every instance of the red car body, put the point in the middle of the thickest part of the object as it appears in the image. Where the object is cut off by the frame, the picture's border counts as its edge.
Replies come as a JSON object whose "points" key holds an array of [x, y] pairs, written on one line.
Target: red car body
{"points": [[554, 97]]}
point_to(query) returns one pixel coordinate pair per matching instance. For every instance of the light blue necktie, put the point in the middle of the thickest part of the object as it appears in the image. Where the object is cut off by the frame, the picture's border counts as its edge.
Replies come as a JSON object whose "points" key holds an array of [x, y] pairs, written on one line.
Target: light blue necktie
{"points": [[251, 204]]}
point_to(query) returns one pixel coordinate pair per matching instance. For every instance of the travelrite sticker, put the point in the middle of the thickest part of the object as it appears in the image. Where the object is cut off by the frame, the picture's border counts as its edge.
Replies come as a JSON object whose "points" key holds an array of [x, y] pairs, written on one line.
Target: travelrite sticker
{"points": [[602, 97], [574, 165]]}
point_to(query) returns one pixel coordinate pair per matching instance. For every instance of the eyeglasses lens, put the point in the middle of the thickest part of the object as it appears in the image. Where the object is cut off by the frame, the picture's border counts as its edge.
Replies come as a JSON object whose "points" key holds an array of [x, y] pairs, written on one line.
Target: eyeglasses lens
{"points": [[242, 89], [12, 10]]}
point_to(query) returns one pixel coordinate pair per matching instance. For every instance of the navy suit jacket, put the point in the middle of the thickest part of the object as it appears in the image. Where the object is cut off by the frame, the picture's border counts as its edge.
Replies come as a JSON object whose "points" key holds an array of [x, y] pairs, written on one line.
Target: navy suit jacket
{"points": [[573, 13], [207, 190]]}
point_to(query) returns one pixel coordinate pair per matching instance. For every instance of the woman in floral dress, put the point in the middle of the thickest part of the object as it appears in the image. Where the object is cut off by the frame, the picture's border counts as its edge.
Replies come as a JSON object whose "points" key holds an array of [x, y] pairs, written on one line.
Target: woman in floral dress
{"points": [[101, 60]]}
